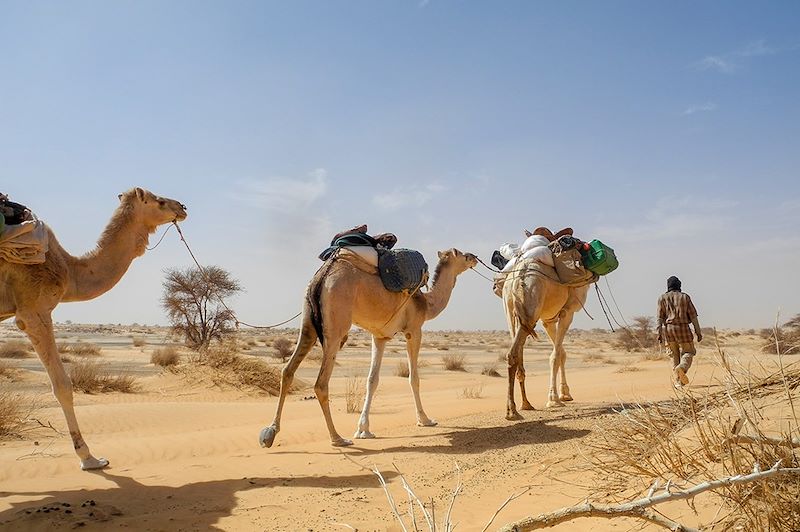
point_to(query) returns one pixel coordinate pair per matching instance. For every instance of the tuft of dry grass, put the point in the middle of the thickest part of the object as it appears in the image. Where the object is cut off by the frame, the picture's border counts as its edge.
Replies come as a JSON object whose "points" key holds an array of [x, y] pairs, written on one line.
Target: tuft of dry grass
{"points": [[453, 362], [354, 393], [401, 369], [138, 341], [490, 370], [89, 377], [16, 349], [11, 413], [594, 357], [229, 367], [165, 357], [80, 349], [654, 355], [627, 368], [472, 392]]}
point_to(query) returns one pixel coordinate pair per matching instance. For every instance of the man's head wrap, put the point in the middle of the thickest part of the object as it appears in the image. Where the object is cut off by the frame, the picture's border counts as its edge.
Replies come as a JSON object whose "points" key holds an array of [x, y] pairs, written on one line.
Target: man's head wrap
{"points": [[673, 283]]}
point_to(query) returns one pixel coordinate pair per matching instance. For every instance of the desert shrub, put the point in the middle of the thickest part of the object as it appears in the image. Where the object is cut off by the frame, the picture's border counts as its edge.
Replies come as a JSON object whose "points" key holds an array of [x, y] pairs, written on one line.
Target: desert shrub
{"points": [[472, 392], [282, 348], [401, 369], [490, 370], [654, 355], [80, 349], [165, 357], [235, 369], [138, 341], [89, 377], [354, 394], [627, 368], [641, 336], [785, 337], [594, 357], [15, 349], [453, 362], [11, 413]]}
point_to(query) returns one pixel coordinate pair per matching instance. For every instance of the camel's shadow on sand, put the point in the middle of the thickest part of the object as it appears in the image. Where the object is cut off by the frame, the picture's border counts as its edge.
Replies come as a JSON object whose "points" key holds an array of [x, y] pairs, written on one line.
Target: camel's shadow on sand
{"points": [[205, 502]]}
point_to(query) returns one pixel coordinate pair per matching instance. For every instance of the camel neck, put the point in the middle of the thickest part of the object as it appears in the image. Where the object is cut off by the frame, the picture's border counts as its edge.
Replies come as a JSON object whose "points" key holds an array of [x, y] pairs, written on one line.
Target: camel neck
{"points": [[440, 293], [95, 273]]}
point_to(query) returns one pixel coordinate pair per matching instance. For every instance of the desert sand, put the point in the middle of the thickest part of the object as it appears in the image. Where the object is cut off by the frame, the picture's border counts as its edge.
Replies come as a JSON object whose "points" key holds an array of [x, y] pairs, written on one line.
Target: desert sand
{"points": [[184, 452]]}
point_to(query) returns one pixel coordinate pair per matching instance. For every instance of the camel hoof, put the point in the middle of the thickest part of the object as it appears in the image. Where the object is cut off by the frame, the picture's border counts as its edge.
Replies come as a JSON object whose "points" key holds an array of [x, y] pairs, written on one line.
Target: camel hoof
{"points": [[427, 423], [363, 435], [341, 442], [93, 463], [565, 397], [514, 416], [267, 436], [526, 406], [555, 403]]}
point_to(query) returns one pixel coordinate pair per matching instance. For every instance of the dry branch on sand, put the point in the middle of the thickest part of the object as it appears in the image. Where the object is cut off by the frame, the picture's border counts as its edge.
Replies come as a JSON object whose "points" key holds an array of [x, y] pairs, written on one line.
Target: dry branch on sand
{"points": [[640, 508], [717, 435]]}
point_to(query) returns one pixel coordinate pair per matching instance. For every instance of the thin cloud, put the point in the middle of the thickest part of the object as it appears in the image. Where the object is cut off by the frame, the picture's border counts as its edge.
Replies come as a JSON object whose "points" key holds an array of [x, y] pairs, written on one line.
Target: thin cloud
{"points": [[283, 195], [730, 62], [413, 197], [701, 108]]}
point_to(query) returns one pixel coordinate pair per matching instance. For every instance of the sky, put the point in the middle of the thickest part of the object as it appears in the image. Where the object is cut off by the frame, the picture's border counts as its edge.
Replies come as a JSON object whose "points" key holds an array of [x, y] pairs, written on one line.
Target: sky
{"points": [[668, 130]]}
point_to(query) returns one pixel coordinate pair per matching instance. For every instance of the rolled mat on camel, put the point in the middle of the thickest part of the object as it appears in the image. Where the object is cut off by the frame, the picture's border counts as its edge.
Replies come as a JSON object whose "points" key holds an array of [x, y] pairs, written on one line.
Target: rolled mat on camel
{"points": [[560, 257], [23, 238]]}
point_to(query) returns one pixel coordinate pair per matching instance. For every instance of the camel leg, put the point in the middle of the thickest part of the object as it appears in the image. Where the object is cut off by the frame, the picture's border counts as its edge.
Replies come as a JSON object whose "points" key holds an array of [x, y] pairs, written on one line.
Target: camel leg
{"points": [[553, 333], [321, 389], [306, 340], [563, 327], [413, 342], [38, 326], [526, 405], [378, 345], [514, 366]]}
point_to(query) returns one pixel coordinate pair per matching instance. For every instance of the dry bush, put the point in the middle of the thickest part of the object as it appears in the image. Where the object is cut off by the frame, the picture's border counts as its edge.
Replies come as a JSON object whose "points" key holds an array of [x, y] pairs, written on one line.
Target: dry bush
{"points": [[11, 413], [692, 439], [490, 370], [354, 393], [641, 336], [654, 355], [786, 338], [229, 367], [627, 368], [16, 349], [472, 392], [80, 349], [594, 357], [165, 357], [453, 362], [401, 369], [283, 348], [138, 341], [89, 377]]}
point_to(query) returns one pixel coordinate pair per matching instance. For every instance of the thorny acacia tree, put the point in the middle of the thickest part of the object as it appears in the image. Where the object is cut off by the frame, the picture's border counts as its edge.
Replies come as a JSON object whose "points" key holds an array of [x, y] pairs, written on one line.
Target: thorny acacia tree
{"points": [[193, 301]]}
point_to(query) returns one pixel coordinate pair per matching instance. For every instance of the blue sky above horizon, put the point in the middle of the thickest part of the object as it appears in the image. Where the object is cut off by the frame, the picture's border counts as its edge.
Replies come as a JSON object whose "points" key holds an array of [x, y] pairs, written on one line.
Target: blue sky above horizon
{"points": [[670, 131]]}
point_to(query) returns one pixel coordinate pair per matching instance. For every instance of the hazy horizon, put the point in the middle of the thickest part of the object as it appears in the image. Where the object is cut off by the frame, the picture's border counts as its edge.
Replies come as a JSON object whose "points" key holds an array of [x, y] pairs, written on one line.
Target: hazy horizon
{"points": [[668, 131]]}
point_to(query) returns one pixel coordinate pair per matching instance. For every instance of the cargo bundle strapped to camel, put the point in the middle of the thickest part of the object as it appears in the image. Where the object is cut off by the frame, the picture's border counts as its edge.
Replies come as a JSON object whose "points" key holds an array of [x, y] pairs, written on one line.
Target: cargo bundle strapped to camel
{"points": [[23, 237], [561, 257], [399, 269]]}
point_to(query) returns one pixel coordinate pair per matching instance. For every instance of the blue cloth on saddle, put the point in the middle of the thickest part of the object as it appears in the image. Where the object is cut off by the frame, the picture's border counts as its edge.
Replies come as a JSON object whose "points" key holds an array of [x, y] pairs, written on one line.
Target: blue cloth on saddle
{"points": [[350, 239], [402, 269]]}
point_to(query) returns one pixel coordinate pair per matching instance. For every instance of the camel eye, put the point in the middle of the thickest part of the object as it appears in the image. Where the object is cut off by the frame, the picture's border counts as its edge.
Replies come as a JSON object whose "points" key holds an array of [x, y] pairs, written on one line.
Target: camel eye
{"points": [[162, 203]]}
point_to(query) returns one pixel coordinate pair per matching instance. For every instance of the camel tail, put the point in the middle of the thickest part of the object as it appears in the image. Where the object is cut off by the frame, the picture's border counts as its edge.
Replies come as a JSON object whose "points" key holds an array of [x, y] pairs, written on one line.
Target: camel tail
{"points": [[313, 308]]}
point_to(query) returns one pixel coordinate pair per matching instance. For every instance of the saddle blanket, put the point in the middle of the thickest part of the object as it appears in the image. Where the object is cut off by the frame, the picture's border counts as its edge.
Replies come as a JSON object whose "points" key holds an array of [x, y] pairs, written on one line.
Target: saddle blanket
{"points": [[24, 243]]}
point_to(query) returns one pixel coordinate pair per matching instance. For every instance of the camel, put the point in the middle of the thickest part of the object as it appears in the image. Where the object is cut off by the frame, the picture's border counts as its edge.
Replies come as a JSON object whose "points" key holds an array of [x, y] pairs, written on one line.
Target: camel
{"points": [[528, 297], [345, 292], [31, 292]]}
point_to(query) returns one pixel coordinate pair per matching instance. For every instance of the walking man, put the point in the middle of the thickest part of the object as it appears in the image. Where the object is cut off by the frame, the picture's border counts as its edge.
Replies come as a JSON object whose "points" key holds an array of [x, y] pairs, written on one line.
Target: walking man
{"points": [[675, 312]]}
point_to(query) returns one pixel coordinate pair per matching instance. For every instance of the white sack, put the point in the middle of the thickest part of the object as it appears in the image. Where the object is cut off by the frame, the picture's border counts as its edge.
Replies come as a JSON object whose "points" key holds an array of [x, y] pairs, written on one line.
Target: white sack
{"points": [[509, 251], [368, 253], [533, 241]]}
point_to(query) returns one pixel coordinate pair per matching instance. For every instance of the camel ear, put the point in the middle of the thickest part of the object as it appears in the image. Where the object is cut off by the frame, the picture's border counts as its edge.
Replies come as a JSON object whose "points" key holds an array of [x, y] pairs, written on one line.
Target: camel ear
{"points": [[139, 193], [441, 255], [120, 196]]}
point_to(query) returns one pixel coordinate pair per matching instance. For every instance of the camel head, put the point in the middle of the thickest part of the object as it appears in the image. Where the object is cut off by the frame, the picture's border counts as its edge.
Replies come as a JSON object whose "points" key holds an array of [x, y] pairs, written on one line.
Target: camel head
{"points": [[461, 262], [153, 210]]}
